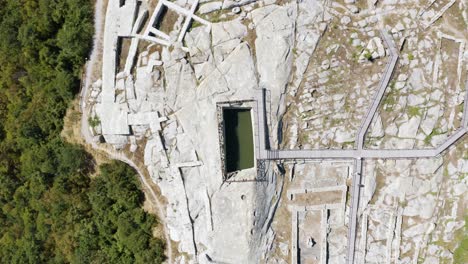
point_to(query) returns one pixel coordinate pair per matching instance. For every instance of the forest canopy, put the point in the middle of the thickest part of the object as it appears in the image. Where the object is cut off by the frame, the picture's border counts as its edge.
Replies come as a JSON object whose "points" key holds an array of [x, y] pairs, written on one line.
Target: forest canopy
{"points": [[51, 210]]}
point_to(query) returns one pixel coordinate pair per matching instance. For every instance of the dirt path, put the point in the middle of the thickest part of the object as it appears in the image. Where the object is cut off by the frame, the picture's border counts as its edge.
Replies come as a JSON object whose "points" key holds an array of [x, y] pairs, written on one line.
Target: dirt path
{"points": [[86, 134]]}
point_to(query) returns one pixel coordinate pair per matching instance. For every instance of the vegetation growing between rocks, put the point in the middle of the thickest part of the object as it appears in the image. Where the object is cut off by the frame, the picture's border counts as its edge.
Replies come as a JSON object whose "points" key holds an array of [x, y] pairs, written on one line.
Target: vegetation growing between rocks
{"points": [[51, 210], [461, 253]]}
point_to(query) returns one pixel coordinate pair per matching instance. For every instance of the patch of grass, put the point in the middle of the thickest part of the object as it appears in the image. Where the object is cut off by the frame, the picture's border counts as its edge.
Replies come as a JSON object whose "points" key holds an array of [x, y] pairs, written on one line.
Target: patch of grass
{"points": [[334, 122], [414, 111], [216, 16], [368, 55], [391, 98], [460, 256], [355, 56], [410, 56], [403, 203], [347, 107], [390, 101], [294, 50], [195, 24], [428, 139], [94, 121], [304, 138]]}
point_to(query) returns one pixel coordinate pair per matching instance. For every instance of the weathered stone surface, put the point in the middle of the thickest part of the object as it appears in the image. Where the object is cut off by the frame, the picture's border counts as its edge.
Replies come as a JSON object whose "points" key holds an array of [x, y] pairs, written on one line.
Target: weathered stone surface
{"points": [[370, 184], [180, 83], [113, 119], [345, 20], [392, 129], [430, 119], [410, 128], [377, 128], [414, 100], [235, 74], [399, 143], [415, 230], [428, 166], [274, 28], [225, 31], [233, 3], [422, 207], [210, 7], [342, 136]]}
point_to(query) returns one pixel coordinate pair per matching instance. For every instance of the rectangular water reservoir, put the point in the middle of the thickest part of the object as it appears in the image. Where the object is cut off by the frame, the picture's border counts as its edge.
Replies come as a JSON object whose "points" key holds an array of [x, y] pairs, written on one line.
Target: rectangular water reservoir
{"points": [[238, 139]]}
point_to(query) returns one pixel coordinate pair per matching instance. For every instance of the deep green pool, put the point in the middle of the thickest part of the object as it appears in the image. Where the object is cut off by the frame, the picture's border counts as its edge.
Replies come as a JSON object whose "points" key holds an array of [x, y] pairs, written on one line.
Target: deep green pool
{"points": [[238, 139]]}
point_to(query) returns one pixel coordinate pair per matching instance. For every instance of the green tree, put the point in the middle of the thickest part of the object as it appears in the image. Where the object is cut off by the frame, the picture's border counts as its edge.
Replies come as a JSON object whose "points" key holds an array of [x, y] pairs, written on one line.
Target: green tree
{"points": [[50, 209]]}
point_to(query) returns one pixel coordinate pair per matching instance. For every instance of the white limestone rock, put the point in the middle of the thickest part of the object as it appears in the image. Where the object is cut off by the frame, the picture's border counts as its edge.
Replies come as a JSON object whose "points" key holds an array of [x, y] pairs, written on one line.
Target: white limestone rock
{"points": [[97, 84], [402, 77], [198, 40], [423, 206], [400, 85], [375, 48], [221, 51], [375, 253], [210, 7], [129, 88], [414, 100], [284, 248], [236, 10], [343, 136], [463, 166], [438, 139], [416, 79], [370, 183], [398, 27], [430, 119], [94, 94], [275, 38], [180, 83], [399, 143], [293, 136], [118, 141], [345, 20], [415, 230], [225, 31], [377, 130], [409, 129], [353, 9], [460, 188], [392, 129], [356, 42], [227, 4], [236, 74], [113, 119]]}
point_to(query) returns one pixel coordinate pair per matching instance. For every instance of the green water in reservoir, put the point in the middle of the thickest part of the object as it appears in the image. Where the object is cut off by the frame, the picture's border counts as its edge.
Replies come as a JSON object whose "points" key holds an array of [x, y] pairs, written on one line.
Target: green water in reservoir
{"points": [[238, 139]]}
